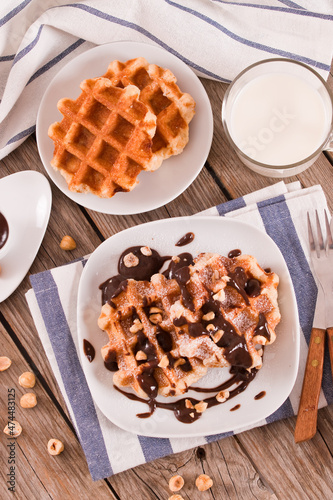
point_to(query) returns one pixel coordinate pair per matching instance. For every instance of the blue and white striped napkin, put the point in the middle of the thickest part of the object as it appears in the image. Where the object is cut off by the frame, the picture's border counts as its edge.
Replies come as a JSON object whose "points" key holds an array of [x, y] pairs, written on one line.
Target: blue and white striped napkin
{"points": [[280, 211], [216, 38]]}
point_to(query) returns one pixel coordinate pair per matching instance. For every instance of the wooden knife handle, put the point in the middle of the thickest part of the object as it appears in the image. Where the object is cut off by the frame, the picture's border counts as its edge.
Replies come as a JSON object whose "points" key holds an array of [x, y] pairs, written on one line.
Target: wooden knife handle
{"points": [[330, 345], [306, 424]]}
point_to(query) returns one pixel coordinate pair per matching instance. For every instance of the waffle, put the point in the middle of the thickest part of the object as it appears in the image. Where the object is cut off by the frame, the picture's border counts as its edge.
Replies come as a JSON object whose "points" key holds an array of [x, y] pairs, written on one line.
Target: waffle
{"points": [[158, 90], [143, 341], [234, 323], [230, 311], [104, 139]]}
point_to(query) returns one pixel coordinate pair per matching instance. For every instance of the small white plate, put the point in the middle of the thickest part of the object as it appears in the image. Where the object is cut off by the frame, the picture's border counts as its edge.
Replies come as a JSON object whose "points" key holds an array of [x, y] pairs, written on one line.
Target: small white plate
{"points": [[176, 173], [25, 202], [212, 234]]}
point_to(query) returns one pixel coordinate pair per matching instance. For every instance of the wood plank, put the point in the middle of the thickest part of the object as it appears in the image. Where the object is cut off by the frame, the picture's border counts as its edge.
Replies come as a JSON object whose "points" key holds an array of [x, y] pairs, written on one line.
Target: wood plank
{"points": [[306, 468], [38, 474], [233, 474]]}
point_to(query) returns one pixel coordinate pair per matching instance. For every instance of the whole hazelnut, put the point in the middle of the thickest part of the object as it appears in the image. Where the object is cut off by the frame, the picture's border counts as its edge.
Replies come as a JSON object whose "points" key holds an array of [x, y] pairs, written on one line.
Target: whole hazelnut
{"points": [[13, 429], [27, 380], [203, 482], [176, 483], [67, 243], [55, 446], [176, 497], [28, 400], [4, 363]]}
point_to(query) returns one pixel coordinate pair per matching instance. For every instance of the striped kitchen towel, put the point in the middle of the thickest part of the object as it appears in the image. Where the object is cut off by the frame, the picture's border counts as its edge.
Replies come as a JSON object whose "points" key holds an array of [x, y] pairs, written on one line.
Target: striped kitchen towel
{"points": [[279, 209], [216, 38]]}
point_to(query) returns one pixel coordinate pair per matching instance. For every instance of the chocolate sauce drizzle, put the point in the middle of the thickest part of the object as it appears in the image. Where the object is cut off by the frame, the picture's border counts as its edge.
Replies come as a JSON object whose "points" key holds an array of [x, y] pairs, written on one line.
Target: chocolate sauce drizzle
{"points": [[189, 415], [185, 240], [234, 345], [262, 327], [88, 350], [234, 253], [147, 266], [110, 362], [4, 230], [261, 395]]}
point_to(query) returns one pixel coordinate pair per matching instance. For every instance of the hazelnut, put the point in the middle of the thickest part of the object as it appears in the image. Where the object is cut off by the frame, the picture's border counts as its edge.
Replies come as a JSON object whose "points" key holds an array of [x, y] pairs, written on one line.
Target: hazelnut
{"points": [[217, 336], [203, 482], [209, 316], [13, 429], [27, 380], [210, 327], [28, 400], [188, 404], [141, 356], [154, 310], [164, 362], [146, 251], [176, 497], [155, 318], [222, 396], [137, 326], [4, 363], [220, 295], [130, 260], [176, 483], [201, 407], [55, 447], [67, 243], [175, 259]]}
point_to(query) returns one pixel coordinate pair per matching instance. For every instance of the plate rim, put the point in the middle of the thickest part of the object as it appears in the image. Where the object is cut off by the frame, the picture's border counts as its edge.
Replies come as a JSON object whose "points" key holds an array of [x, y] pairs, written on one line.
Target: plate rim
{"points": [[80, 198], [190, 433]]}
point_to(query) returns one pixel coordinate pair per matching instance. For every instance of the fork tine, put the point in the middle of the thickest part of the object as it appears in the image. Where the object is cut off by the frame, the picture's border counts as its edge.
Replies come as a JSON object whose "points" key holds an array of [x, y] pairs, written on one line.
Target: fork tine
{"points": [[329, 243], [319, 232], [310, 234]]}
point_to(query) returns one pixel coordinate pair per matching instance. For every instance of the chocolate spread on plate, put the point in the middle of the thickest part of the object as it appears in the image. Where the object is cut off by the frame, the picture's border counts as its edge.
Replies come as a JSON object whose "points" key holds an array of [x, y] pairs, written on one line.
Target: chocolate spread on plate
{"points": [[4, 230], [185, 240], [260, 395], [88, 350]]}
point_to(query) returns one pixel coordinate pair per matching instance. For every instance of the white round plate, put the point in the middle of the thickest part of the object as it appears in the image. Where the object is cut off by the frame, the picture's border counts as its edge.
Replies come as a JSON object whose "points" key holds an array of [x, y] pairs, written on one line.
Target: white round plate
{"points": [[212, 234], [176, 173], [25, 201]]}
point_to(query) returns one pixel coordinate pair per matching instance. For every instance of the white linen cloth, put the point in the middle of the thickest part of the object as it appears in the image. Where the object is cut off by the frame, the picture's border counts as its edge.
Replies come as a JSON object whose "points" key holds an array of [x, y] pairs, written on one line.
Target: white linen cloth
{"points": [[216, 38], [280, 210]]}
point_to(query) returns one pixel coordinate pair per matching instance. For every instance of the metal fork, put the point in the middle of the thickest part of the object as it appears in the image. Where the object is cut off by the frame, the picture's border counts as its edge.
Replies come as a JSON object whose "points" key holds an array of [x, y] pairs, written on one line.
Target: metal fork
{"points": [[321, 253]]}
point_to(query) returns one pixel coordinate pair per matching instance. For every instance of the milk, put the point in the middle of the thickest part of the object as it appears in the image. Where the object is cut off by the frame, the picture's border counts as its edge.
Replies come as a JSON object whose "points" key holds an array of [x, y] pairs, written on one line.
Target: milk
{"points": [[279, 119]]}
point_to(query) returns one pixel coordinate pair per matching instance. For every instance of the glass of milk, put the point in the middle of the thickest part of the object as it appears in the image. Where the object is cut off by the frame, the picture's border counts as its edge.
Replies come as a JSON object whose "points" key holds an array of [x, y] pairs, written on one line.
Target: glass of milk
{"points": [[278, 116]]}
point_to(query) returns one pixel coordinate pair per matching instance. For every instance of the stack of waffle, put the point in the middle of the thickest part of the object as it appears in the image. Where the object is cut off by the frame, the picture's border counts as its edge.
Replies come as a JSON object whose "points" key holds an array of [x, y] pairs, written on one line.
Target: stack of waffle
{"points": [[153, 331], [128, 120]]}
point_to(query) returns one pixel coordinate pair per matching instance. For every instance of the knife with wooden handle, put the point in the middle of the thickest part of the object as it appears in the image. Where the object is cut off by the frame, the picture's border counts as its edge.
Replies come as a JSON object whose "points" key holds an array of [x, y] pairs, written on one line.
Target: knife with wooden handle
{"points": [[306, 423]]}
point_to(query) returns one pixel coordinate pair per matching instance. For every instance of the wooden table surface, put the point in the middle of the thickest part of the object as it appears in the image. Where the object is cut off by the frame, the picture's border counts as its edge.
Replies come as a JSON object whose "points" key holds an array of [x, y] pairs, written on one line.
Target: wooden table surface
{"points": [[258, 464]]}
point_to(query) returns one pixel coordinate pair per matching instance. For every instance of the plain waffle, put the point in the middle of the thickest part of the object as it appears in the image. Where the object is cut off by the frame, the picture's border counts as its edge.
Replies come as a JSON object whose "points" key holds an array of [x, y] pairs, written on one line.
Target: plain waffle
{"points": [[104, 139], [159, 91]]}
